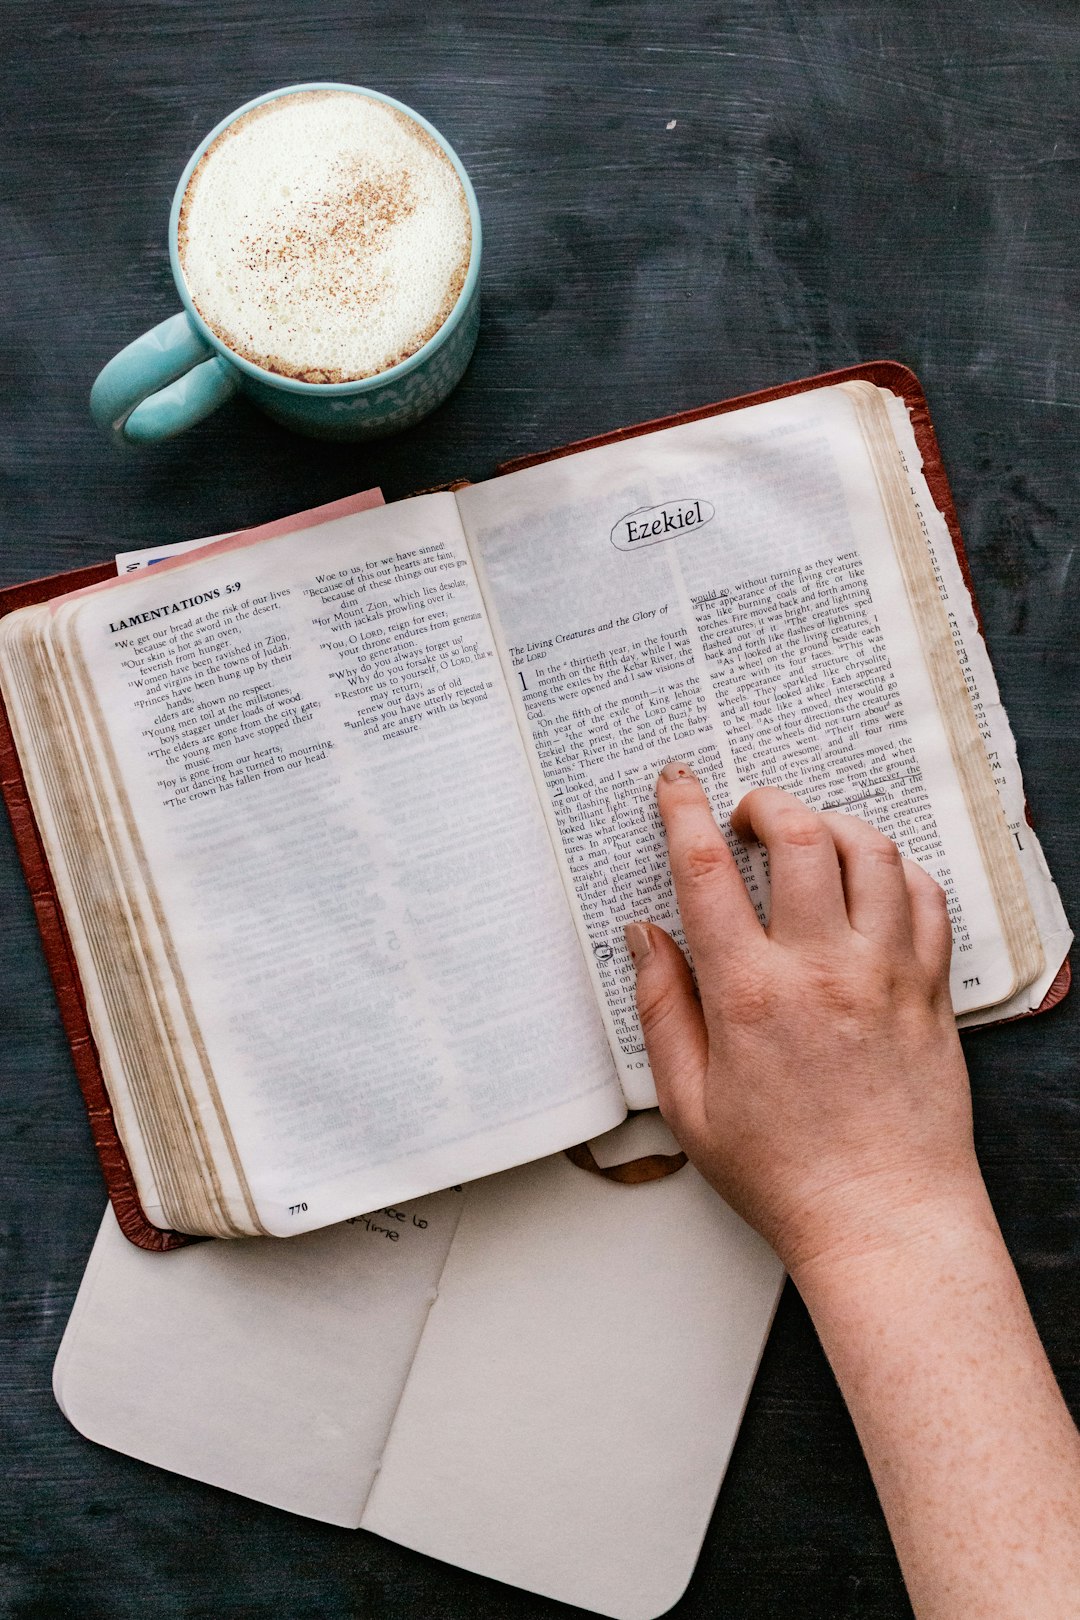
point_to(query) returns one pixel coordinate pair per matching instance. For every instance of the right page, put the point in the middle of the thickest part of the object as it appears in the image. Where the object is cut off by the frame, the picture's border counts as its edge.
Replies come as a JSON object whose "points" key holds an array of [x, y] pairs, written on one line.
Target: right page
{"points": [[576, 1392], [727, 591], [993, 723]]}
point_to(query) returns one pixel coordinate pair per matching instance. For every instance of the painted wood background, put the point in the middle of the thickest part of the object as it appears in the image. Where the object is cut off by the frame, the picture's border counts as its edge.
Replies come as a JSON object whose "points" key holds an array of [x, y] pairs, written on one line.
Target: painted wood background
{"points": [[680, 203]]}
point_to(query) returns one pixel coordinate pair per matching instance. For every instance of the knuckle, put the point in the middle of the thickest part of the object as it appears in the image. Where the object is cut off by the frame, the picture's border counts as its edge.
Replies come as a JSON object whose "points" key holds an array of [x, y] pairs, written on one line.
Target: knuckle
{"points": [[799, 826], [937, 896], [657, 1004], [840, 996], [702, 862], [876, 847], [928, 888], [931, 905]]}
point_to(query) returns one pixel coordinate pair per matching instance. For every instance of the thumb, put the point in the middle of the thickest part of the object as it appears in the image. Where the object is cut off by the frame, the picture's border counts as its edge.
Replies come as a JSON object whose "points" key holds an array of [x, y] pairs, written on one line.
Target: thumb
{"points": [[671, 1021]]}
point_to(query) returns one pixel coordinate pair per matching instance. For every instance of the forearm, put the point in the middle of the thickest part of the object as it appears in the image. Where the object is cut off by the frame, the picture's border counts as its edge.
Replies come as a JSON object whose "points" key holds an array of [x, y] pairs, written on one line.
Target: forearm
{"points": [[813, 1073], [972, 1450]]}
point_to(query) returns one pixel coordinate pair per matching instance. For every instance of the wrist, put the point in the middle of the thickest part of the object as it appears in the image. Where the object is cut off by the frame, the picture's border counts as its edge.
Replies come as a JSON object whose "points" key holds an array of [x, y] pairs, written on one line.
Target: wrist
{"points": [[910, 1279], [973, 1453], [886, 1220]]}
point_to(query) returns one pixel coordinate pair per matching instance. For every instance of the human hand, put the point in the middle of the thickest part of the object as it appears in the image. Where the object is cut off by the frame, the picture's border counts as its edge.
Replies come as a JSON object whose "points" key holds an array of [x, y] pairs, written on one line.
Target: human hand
{"points": [[815, 1076]]}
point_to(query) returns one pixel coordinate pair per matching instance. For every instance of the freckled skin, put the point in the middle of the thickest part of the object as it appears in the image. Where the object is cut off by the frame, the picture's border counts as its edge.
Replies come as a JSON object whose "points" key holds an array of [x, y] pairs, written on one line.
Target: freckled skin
{"points": [[814, 1075]]}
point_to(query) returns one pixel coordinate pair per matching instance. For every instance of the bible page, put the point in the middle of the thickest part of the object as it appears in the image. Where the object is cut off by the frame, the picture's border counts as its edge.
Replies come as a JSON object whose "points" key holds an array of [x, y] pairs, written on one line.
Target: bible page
{"points": [[726, 591], [994, 727], [324, 777], [268, 1369]]}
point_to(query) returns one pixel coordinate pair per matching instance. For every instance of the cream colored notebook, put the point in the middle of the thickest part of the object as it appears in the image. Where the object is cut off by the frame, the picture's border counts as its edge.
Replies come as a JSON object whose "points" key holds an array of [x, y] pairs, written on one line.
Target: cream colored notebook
{"points": [[539, 1378]]}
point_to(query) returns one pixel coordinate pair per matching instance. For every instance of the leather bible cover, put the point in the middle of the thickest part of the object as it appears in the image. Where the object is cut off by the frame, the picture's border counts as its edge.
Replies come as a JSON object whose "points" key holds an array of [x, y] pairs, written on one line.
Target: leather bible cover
{"points": [[132, 1221]]}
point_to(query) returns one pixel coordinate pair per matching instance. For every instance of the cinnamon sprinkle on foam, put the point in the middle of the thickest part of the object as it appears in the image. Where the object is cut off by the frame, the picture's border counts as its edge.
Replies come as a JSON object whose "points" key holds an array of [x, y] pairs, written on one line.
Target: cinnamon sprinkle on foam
{"points": [[324, 236]]}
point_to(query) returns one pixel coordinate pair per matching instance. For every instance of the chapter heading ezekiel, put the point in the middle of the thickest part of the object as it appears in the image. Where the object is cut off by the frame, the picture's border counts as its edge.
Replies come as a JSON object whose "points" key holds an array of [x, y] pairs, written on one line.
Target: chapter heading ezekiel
{"points": [[647, 524]]}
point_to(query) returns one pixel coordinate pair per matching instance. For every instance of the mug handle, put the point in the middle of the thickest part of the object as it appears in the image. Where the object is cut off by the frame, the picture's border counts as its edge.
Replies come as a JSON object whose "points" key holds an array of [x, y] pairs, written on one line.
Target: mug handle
{"points": [[164, 382]]}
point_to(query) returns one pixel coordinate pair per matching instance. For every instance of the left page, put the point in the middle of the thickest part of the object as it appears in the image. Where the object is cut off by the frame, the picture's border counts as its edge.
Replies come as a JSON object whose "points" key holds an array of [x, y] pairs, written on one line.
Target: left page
{"points": [[538, 1377], [311, 762], [268, 1369]]}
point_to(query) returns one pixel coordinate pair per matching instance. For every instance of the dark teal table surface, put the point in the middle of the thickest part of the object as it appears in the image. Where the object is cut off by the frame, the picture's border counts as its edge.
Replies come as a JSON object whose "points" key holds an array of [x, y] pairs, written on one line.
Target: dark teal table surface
{"points": [[680, 203]]}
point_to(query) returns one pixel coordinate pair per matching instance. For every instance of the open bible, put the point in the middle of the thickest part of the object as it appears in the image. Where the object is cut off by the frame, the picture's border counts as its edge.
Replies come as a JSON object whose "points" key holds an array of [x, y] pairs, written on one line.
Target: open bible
{"points": [[345, 824]]}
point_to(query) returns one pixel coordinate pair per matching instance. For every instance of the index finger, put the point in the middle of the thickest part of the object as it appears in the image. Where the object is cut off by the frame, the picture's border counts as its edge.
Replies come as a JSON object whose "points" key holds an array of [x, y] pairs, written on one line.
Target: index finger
{"points": [[717, 913]]}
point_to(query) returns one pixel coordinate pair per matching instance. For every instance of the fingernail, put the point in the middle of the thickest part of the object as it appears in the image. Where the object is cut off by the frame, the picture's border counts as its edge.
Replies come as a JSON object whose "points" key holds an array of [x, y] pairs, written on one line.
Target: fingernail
{"points": [[677, 770], [638, 942]]}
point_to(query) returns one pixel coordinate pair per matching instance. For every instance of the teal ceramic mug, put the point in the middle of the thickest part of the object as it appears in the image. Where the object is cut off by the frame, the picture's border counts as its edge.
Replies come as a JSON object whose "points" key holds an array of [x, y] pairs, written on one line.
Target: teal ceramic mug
{"points": [[180, 371]]}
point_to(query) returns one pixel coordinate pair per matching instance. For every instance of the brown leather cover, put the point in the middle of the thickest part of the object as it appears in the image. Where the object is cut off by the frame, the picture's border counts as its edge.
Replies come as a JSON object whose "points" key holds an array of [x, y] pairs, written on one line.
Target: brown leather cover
{"points": [[57, 946], [632, 1172]]}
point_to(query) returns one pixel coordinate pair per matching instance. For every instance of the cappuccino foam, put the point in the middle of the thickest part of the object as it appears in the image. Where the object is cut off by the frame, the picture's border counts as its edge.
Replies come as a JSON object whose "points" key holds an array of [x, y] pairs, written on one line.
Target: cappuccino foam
{"points": [[324, 236]]}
